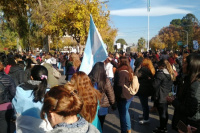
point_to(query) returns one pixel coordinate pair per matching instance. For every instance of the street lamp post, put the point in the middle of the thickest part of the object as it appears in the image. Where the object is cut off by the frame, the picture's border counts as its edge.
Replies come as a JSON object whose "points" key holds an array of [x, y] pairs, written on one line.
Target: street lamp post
{"points": [[187, 36]]}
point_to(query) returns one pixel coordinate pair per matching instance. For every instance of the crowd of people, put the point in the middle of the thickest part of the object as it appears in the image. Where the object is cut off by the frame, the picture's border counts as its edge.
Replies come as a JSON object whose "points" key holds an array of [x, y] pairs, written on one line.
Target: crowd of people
{"points": [[33, 101]]}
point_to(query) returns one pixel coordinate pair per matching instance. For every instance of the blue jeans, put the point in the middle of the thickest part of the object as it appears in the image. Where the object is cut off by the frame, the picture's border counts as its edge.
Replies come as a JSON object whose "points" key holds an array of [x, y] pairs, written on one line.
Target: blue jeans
{"points": [[58, 65], [111, 81], [125, 122], [145, 106], [69, 77], [64, 70]]}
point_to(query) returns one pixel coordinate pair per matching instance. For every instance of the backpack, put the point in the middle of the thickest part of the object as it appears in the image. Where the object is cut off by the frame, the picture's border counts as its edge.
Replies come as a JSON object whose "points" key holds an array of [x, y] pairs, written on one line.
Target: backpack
{"points": [[134, 86], [3, 93]]}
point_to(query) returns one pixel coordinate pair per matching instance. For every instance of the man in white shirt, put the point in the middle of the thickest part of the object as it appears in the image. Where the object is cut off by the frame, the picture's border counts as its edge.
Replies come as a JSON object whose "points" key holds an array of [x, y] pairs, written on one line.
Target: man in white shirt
{"points": [[109, 70]]}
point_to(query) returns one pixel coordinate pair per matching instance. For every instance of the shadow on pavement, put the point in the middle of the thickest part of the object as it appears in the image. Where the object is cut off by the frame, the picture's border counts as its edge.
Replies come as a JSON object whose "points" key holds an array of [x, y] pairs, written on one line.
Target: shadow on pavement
{"points": [[112, 123]]}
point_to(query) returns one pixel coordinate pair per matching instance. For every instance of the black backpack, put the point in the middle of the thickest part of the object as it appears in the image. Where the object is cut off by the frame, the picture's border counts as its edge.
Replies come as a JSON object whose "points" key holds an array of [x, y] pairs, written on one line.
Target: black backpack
{"points": [[3, 93]]}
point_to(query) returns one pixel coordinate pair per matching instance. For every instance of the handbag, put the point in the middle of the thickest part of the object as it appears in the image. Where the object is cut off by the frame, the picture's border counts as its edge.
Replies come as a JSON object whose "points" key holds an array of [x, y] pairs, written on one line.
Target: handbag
{"points": [[134, 86]]}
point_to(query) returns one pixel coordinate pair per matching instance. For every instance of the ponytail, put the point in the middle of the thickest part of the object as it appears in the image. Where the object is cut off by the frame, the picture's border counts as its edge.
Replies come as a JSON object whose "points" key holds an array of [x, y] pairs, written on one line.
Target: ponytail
{"points": [[39, 73], [40, 91]]}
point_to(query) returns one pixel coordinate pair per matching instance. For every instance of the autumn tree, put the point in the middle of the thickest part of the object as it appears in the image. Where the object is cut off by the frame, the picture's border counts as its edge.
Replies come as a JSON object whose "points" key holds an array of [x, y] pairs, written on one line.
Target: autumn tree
{"points": [[196, 33], [109, 39], [177, 31], [188, 25], [73, 17], [156, 43], [170, 36], [44, 19]]}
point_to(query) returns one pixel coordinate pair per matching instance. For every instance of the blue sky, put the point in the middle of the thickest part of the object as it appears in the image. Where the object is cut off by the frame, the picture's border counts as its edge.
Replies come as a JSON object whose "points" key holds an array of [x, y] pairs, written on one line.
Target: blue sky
{"points": [[130, 16]]}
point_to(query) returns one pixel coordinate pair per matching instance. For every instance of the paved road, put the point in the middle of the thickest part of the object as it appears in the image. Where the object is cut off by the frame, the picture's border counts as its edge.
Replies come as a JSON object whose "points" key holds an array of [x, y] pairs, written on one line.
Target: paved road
{"points": [[112, 124]]}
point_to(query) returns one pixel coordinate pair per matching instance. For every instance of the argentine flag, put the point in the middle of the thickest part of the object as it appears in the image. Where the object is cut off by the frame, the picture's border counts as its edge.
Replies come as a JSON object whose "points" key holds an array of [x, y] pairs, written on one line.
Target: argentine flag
{"points": [[95, 49]]}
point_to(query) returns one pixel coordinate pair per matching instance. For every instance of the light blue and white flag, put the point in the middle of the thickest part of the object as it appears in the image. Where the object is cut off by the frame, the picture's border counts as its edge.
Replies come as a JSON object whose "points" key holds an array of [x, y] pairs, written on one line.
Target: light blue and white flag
{"points": [[95, 49]]}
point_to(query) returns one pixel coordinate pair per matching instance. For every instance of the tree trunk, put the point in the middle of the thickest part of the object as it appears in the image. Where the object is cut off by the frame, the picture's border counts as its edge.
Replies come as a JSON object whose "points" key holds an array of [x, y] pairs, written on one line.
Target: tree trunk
{"points": [[46, 44]]}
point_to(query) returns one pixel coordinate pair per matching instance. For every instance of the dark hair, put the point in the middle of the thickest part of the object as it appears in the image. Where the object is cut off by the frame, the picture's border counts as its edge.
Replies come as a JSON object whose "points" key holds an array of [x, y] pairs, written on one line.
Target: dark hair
{"points": [[17, 56], [21, 64], [28, 63], [98, 75], [164, 52], [193, 66], [11, 62], [124, 61], [36, 72]]}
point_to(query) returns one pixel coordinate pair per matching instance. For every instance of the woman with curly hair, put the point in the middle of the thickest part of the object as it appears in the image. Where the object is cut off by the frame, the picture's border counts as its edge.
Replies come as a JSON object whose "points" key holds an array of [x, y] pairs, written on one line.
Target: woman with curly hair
{"points": [[90, 96], [72, 65], [162, 84], [145, 74], [62, 104]]}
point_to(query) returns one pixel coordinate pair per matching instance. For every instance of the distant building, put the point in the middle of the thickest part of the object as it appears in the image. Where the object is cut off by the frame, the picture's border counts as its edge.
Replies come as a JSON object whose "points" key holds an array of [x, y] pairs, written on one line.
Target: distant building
{"points": [[131, 49]]}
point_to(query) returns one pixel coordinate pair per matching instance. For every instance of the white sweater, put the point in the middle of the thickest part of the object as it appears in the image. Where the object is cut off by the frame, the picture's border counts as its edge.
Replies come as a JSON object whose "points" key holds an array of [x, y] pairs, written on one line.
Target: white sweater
{"points": [[109, 70]]}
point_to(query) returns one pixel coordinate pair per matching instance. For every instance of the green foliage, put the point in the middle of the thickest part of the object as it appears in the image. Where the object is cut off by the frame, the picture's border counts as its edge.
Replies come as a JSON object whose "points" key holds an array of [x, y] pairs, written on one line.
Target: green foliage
{"points": [[8, 38], [176, 22], [34, 20], [188, 24], [141, 43], [122, 41]]}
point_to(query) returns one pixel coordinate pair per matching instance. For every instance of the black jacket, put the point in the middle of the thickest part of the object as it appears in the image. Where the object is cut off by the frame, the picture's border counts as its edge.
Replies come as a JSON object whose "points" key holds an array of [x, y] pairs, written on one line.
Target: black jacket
{"points": [[138, 62], [27, 74], [162, 85], [189, 104], [145, 79], [10, 88], [17, 74]]}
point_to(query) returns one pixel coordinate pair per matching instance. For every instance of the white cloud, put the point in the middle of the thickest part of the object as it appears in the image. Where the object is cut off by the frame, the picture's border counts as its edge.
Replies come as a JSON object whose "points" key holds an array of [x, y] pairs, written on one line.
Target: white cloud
{"points": [[156, 11], [121, 34]]}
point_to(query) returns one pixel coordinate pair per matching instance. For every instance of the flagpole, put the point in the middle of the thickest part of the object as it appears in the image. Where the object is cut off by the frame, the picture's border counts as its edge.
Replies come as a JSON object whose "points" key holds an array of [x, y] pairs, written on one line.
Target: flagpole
{"points": [[148, 10], [148, 33]]}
